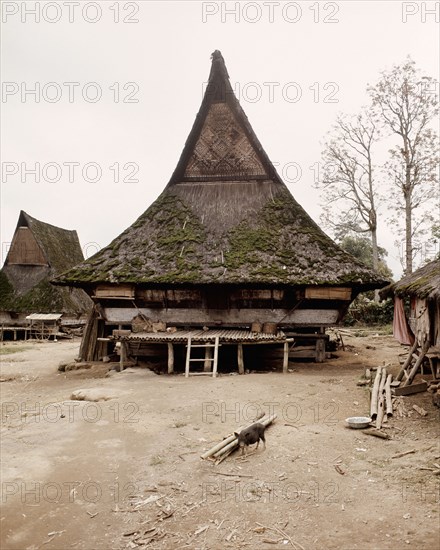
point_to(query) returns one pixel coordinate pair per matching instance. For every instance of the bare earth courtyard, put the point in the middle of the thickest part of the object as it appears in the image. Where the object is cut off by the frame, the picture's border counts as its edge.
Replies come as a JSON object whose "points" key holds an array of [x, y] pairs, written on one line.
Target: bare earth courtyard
{"points": [[126, 472]]}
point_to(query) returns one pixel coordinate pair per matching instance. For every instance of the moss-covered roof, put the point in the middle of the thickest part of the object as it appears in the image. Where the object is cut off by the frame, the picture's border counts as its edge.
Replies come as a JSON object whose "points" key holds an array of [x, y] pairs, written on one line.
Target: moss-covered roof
{"points": [[61, 247], [27, 288], [224, 217], [423, 283]]}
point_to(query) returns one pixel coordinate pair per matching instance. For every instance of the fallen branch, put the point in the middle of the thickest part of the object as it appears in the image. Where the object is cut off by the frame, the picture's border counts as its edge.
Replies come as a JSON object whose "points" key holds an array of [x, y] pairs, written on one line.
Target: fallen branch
{"points": [[420, 410], [376, 433], [405, 453]]}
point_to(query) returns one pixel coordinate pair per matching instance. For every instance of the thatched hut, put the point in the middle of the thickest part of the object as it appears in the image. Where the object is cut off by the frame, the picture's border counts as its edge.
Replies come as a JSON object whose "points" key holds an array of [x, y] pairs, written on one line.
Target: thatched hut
{"points": [[422, 290], [38, 252], [225, 245]]}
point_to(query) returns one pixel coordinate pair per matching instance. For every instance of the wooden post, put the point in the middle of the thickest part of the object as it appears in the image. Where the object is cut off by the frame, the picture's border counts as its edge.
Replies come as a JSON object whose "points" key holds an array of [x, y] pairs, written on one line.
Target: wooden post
{"points": [[285, 357], [170, 358], [188, 356], [240, 359], [320, 350], [207, 365], [122, 356], [214, 368]]}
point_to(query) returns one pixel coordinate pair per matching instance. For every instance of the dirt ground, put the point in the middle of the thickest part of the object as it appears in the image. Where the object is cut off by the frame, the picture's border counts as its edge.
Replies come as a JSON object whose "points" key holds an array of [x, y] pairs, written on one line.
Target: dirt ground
{"points": [[127, 473]]}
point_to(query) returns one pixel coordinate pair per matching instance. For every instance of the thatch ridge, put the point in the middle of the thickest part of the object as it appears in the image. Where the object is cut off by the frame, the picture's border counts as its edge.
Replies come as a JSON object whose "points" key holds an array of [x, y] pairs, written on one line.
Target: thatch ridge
{"points": [[423, 283]]}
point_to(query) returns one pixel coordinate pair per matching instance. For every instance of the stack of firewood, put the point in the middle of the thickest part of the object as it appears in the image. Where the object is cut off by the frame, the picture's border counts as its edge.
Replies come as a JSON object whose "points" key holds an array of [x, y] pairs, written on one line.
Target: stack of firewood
{"points": [[222, 450]]}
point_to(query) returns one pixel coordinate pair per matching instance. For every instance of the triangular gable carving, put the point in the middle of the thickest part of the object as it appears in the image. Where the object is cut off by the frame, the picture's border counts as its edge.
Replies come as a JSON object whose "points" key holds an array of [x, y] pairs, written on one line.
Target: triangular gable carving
{"points": [[223, 150]]}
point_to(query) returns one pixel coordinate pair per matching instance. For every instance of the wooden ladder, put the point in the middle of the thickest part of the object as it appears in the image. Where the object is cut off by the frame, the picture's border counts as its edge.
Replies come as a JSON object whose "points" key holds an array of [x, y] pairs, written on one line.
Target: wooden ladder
{"points": [[207, 346]]}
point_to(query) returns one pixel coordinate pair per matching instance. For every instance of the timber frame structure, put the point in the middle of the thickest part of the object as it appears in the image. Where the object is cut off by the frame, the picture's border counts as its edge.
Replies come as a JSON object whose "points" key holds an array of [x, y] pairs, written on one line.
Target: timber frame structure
{"points": [[225, 246]]}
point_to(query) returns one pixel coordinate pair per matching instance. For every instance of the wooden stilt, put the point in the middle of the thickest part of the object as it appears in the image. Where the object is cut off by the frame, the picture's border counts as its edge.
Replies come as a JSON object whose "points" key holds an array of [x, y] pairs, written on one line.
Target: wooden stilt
{"points": [[285, 357], [214, 368], [188, 355], [170, 358], [122, 356], [240, 359], [320, 350], [207, 365]]}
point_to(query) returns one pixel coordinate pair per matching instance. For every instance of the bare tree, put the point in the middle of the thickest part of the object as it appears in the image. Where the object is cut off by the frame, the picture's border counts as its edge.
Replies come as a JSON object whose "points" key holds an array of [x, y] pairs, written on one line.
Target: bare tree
{"points": [[350, 196], [406, 105]]}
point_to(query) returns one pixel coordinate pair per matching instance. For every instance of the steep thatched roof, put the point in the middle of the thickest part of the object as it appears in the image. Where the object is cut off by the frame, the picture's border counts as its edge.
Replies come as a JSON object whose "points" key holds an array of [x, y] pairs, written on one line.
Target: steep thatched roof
{"points": [[423, 283], [224, 217], [25, 277]]}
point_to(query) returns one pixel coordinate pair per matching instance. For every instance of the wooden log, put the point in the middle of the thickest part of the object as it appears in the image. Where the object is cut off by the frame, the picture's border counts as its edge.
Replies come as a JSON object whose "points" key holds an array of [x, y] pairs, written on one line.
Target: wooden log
{"points": [[170, 358], [375, 394], [389, 402], [408, 390], [240, 359]]}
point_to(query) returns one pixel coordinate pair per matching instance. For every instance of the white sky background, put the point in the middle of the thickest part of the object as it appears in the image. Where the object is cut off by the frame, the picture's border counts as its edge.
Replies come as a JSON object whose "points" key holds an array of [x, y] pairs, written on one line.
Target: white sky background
{"points": [[167, 55]]}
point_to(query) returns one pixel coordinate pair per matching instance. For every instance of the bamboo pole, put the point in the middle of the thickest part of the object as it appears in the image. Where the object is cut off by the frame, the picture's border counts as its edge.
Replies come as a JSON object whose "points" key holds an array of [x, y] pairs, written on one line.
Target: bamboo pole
{"points": [[388, 399], [381, 397], [374, 394]]}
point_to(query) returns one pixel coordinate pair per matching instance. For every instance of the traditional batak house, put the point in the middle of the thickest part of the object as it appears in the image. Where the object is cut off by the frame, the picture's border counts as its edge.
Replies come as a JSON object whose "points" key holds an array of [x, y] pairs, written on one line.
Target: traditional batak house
{"points": [[225, 255], [38, 252]]}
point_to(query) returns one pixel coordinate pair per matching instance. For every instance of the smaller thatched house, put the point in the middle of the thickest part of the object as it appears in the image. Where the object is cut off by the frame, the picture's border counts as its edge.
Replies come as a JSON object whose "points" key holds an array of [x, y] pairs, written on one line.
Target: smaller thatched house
{"points": [[422, 288], [38, 252]]}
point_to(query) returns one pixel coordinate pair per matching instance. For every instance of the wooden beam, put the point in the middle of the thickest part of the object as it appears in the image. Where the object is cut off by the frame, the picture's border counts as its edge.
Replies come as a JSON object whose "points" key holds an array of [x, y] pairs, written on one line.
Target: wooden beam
{"points": [[414, 388], [240, 359], [170, 358], [231, 317]]}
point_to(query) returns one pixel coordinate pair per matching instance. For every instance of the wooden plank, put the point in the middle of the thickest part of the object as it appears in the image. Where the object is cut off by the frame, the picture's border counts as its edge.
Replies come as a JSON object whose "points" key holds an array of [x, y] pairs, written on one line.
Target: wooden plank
{"points": [[231, 317], [240, 359], [170, 358], [328, 293], [114, 291], [414, 388]]}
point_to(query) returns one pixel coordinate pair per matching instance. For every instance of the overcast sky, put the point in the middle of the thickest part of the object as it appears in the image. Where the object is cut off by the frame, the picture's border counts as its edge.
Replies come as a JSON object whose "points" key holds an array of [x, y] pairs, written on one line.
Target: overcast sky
{"points": [[117, 86]]}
